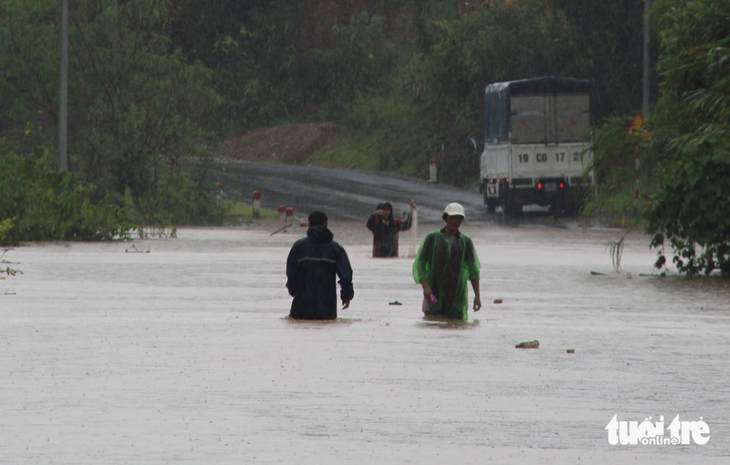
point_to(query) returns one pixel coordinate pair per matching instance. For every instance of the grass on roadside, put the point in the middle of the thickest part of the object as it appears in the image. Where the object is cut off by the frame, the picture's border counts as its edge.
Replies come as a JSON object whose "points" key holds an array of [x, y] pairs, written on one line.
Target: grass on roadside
{"points": [[243, 213], [358, 154], [349, 156]]}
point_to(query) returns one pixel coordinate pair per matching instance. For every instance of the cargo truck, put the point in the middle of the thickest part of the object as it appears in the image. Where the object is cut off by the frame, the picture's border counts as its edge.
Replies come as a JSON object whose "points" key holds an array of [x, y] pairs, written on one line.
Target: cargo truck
{"points": [[535, 145]]}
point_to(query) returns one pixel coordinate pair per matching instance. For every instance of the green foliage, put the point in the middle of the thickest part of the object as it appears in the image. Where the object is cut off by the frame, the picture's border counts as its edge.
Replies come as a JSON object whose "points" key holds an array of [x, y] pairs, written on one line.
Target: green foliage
{"points": [[259, 68], [184, 196], [6, 226], [142, 106], [352, 154], [138, 109], [435, 100], [7, 270], [28, 74], [360, 62], [239, 212], [496, 44], [396, 130], [622, 164], [37, 203], [616, 250], [422, 66], [689, 210], [684, 163], [407, 77], [607, 37]]}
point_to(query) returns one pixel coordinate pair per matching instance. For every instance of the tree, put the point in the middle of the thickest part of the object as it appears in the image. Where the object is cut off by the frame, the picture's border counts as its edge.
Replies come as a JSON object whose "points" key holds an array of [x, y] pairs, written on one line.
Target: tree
{"points": [[138, 108], [692, 129], [436, 100], [608, 36], [28, 74]]}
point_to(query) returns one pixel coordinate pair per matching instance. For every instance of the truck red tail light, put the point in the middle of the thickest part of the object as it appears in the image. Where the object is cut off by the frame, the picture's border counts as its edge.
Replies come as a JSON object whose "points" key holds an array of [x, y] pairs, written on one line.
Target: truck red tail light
{"points": [[539, 186]]}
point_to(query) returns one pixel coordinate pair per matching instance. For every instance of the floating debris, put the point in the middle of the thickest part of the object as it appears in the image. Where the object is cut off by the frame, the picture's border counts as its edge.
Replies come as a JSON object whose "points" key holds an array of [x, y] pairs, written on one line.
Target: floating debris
{"points": [[528, 345]]}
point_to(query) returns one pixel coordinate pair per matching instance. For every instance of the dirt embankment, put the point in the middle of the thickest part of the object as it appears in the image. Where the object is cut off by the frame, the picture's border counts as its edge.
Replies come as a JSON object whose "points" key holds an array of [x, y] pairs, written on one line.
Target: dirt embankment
{"points": [[290, 143]]}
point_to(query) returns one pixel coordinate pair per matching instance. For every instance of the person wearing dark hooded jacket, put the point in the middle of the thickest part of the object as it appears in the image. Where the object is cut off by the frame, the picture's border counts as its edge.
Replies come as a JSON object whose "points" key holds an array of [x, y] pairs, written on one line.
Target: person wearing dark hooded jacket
{"points": [[385, 229], [312, 267]]}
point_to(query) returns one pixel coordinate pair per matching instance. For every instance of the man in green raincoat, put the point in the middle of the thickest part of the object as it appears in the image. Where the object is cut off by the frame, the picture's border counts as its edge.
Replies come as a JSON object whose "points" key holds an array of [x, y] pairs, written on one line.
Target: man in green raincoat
{"points": [[445, 263]]}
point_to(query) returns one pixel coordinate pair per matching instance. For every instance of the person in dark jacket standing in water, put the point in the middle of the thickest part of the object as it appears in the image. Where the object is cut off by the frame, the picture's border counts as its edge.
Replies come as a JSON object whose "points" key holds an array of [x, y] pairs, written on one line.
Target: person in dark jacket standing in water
{"points": [[385, 229], [313, 264]]}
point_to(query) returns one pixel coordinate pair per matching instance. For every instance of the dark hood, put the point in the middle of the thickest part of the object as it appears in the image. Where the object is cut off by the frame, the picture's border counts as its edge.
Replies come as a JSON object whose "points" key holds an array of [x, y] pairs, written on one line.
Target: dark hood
{"points": [[387, 205], [320, 234]]}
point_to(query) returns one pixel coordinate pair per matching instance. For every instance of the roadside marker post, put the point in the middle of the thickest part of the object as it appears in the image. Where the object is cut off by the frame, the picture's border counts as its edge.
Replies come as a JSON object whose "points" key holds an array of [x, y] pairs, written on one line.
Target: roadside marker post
{"points": [[256, 204]]}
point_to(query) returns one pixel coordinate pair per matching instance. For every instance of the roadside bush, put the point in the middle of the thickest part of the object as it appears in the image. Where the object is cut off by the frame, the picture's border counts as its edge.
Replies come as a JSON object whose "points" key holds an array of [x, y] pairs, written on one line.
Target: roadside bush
{"points": [[689, 209], [622, 164], [395, 131], [6, 226], [177, 195], [37, 203]]}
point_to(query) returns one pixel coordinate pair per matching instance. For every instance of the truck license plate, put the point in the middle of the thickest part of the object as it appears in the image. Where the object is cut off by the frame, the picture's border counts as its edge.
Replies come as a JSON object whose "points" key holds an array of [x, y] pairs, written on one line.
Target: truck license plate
{"points": [[550, 186]]}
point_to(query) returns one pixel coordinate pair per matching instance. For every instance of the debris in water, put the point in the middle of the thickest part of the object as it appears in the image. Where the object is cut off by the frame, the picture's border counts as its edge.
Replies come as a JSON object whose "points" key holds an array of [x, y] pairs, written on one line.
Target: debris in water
{"points": [[497, 301], [395, 302], [135, 250], [570, 351], [528, 345]]}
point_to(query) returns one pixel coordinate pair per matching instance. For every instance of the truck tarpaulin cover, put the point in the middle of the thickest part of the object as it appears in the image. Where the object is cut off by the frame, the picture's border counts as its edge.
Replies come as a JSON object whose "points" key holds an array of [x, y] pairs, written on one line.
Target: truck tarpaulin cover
{"points": [[573, 103]]}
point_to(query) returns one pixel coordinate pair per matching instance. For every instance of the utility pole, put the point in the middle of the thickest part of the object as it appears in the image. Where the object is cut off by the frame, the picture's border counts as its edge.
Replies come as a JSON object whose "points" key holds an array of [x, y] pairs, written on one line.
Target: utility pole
{"points": [[63, 91], [647, 57]]}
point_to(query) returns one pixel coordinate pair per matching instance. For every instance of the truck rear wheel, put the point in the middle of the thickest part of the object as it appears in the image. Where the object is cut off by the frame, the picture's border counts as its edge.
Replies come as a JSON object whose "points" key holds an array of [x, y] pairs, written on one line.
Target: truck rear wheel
{"points": [[491, 205], [511, 208], [564, 206]]}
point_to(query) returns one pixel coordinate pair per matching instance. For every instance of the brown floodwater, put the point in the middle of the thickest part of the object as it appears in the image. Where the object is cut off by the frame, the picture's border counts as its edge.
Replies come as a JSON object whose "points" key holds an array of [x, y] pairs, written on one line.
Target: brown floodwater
{"points": [[179, 351]]}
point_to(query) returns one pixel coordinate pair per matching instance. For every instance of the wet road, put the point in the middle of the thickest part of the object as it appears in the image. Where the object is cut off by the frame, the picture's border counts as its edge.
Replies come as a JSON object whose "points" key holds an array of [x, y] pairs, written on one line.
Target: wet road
{"points": [[349, 195], [181, 354]]}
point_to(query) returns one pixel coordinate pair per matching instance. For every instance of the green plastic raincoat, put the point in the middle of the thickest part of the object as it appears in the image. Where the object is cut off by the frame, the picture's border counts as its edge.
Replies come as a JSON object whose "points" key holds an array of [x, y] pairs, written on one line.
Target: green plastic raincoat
{"points": [[448, 263]]}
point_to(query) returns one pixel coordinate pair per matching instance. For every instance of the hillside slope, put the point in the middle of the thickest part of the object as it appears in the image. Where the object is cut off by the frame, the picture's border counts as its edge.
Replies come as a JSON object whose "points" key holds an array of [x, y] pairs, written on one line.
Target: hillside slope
{"points": [[289, 143]]}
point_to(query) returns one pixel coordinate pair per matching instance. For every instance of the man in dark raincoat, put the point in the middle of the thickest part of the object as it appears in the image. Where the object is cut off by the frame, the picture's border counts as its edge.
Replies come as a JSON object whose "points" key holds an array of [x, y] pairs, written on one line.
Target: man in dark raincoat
{"points": [[446, 262], [313, 264], [385, 229]]}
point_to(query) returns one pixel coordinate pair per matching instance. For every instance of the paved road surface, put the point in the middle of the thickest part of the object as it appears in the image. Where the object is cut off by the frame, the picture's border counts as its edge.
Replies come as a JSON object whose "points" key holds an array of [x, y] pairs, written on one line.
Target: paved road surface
{"points": [[350, 195]]}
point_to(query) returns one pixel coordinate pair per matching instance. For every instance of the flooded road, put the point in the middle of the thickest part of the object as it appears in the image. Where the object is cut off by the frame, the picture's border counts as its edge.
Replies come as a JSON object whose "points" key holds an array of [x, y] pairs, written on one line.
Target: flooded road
{"points": [[181, 353]]}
